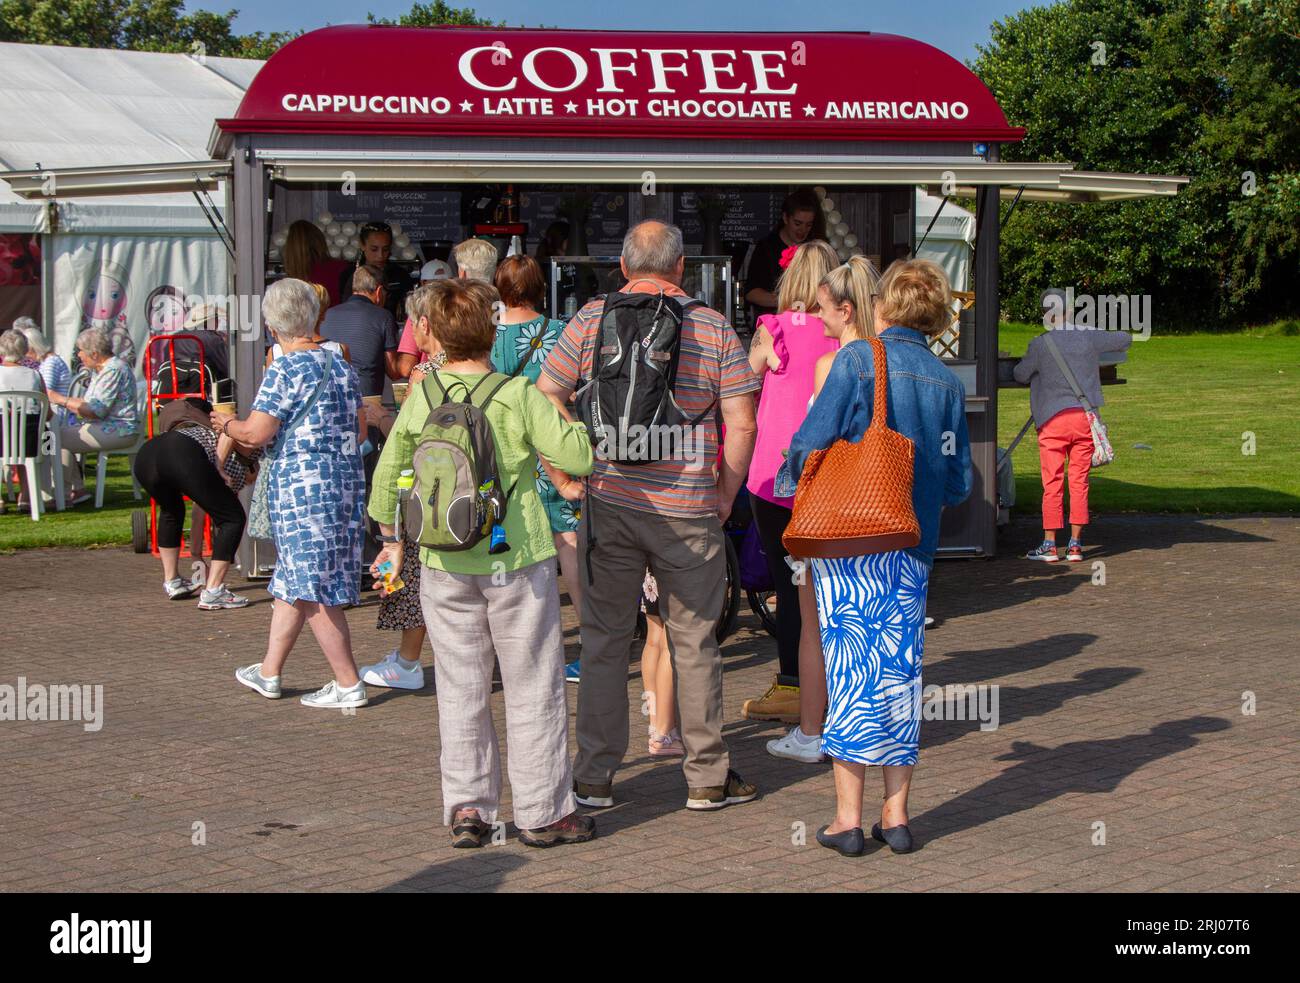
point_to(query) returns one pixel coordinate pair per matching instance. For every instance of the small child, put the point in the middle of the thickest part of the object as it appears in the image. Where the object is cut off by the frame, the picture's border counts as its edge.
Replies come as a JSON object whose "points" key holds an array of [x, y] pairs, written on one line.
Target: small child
{"points": [[659, 701]]}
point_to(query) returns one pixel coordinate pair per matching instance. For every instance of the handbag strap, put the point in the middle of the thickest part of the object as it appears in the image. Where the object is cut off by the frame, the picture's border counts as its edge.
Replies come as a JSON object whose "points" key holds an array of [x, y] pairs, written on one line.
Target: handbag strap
{"points": [[880, 407], [1065, 371]]}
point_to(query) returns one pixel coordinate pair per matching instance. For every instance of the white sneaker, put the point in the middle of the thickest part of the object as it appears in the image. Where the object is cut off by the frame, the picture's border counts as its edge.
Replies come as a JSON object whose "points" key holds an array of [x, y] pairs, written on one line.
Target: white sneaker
{"points": [[390, 673], [332, 696], [178, 588], [797, 746]]}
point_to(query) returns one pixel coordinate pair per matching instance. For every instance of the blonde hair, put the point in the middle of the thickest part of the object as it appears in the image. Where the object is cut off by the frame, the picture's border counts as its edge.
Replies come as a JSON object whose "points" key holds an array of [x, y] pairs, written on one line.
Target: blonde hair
{"points": [[796, 290], [855, 282], [323, 299], [915, 293]]}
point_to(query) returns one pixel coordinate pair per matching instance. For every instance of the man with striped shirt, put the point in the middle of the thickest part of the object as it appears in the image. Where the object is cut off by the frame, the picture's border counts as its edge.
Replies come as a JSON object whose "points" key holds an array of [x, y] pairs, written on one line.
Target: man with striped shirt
{"points": [[665, 515]]}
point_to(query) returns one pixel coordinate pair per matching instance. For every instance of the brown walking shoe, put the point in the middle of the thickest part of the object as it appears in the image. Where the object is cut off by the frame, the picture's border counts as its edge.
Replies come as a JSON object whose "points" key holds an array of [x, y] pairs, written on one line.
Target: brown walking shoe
{"points": [[778, 703], [573, 828], [734, 792], [468, 830]]}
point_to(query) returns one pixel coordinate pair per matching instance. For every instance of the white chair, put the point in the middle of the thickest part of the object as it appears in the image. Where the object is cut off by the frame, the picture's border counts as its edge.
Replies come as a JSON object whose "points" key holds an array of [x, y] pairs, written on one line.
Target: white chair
{"points": [[101, 470], [15, 411]]}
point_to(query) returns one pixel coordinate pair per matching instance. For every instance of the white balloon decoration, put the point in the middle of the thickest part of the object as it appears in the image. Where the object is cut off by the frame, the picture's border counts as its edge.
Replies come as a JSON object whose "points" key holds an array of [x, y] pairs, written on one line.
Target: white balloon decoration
{"points": [[828, 205], [324, 218], [819, 191], [397, 229], [850, 240], [333, 230], [279, 239], [855, 251], [834, 218], [349, 253], [335, 251], [842, 253], [836, 242], [349, 228], [842, 229], [402, 241]]}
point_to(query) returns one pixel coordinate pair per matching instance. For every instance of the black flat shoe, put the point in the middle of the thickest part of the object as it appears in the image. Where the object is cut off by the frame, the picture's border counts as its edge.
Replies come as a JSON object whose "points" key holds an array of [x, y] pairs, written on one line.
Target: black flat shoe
{"points": [[850, 843], [897, 838]]}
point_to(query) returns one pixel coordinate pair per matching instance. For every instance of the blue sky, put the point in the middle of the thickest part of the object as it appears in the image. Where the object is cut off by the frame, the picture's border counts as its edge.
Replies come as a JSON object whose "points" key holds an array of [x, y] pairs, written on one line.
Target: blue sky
{"points": [[954, 26]]}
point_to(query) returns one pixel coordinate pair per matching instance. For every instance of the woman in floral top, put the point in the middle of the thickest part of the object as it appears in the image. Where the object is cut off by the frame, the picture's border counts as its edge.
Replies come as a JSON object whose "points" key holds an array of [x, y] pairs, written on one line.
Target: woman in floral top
{"points": [[106, 418], [524, 339]]}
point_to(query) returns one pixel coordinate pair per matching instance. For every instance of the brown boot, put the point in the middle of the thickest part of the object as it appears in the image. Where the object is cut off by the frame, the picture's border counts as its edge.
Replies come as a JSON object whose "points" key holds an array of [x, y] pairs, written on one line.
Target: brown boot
{"points": [[778, 703]]}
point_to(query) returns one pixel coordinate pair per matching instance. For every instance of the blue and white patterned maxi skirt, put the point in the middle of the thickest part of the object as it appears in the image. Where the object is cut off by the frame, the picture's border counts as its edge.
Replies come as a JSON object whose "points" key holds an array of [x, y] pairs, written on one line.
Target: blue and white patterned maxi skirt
{"points": [[871, 610]]}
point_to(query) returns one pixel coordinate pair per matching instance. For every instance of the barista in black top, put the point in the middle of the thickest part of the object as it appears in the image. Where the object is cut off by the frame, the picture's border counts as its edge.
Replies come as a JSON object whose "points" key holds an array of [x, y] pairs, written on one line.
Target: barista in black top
{"points": [[376, 248], [801, 220]]}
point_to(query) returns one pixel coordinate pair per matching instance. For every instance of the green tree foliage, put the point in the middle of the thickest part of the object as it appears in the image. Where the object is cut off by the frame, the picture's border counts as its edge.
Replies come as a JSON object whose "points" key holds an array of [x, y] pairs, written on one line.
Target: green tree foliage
{"points": [[436, 14], [138, 25], [1205, 88]]}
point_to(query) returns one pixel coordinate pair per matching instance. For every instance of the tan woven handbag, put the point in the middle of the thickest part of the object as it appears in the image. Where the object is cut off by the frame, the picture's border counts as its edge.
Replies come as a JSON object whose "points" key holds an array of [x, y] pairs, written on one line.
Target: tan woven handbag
{"points": [[856, 498]]}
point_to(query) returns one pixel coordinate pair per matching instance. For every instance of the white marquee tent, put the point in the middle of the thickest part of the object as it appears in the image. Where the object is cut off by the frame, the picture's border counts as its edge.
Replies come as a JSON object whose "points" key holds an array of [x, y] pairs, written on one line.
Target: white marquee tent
{"points": [[69, 107]]}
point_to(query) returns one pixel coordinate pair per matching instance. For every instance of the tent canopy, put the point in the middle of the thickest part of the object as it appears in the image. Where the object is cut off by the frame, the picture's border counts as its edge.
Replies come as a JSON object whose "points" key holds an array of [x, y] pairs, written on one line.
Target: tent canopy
{"points": [[70, 107]]}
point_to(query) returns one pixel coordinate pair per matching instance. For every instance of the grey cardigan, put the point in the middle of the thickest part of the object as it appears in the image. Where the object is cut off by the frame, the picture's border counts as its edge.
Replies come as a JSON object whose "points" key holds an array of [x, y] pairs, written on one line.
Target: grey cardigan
{"points": [[1049, 392]]}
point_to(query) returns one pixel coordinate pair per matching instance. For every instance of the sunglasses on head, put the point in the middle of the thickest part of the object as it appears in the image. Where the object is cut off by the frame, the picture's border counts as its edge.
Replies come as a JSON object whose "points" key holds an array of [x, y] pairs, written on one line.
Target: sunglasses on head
{"points": [[370, 227]]}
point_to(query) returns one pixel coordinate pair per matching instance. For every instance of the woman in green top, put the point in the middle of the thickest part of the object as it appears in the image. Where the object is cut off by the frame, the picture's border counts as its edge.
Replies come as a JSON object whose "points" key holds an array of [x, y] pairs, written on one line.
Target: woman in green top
{"points": [[524, 339], [503, 607]]}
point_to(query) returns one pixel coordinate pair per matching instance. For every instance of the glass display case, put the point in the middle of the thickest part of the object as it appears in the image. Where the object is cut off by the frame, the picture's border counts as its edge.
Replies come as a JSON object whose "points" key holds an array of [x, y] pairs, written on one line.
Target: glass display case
{"points": [[574, 280]]}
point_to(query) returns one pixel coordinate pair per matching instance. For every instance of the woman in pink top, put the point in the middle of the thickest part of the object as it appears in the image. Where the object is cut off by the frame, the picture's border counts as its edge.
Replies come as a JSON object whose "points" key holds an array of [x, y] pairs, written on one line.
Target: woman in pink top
{"points": [[784, 354]]}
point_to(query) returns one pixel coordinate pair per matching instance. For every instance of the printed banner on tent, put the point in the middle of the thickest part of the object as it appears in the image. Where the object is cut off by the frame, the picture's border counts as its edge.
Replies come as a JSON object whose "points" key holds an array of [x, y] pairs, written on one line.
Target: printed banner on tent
{"points": [[133, 287]]}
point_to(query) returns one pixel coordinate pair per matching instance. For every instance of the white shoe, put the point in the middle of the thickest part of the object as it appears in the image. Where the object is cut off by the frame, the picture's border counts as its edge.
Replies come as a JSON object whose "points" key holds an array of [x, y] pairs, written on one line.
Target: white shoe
{"points": [[390, 673], [797, 746], [332, 696]]}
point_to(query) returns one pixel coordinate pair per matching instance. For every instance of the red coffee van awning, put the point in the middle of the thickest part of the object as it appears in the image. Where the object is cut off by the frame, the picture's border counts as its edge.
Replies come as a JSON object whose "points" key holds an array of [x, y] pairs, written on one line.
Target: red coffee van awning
{"points": [[563, 83]]}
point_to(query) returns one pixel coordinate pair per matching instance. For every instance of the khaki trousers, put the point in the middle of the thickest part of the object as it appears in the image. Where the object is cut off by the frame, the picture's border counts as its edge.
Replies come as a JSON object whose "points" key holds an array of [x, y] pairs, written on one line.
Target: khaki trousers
{"points": [[86, 438], [514, 618], [688, 560]]}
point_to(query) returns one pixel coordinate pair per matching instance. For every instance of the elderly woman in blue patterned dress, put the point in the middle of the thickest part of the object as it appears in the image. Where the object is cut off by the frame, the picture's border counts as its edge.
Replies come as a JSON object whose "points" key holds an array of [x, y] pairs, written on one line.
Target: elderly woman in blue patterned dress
{"points": [[308, 411], [872, 608]]}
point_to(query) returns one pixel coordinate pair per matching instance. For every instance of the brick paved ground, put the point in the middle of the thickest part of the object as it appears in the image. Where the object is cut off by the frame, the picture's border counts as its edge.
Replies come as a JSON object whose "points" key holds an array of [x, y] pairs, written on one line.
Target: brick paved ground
{"points": [[1120, 704]]}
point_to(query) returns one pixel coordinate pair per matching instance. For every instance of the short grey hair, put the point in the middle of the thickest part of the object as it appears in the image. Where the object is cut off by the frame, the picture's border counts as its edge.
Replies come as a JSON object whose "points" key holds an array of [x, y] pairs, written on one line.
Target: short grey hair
{"points": [[13, 344], [25, 324], [363, 281], [37, 343], [477, 258], [653, 247], [96, 342], [290, 307]]}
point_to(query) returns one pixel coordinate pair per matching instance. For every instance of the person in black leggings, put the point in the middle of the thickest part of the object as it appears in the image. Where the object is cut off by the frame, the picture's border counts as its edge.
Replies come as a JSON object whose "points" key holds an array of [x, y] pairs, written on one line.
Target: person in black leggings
{"points": [[180, 464]]}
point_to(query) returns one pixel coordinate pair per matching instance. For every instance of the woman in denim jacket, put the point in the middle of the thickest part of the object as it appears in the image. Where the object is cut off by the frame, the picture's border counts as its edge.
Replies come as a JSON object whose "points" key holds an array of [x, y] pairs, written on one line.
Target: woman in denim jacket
{"points": [[872, 608]]}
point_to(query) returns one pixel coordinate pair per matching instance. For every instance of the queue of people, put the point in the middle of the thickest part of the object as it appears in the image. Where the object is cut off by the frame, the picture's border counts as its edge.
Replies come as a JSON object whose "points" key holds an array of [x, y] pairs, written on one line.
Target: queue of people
{"points": [[487, 360]]}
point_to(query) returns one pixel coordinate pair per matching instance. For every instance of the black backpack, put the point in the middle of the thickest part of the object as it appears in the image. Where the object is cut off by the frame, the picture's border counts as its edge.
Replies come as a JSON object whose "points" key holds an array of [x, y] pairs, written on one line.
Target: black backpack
{"points": [[628, 404]]}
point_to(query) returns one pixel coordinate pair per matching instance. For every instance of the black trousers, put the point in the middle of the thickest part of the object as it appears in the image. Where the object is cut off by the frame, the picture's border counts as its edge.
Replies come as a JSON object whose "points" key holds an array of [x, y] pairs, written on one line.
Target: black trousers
{"points": [[771, 521], [172, 467]]}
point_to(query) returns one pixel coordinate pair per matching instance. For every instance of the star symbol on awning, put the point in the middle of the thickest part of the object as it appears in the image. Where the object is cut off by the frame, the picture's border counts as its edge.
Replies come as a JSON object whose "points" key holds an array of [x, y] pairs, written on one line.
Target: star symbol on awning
{"points": [[466, 106], [810, 110], [570, 107]]}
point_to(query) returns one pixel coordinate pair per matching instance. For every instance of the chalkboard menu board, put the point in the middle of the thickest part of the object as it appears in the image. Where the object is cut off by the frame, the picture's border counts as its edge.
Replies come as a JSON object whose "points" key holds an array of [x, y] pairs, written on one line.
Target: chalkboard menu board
{"points": [[607, 219], [750, 214], [425, 214]]}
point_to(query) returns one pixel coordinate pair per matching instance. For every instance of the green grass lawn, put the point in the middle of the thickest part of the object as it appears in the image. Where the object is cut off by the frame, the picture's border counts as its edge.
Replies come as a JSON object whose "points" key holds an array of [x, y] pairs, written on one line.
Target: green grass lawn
{"points": [[1189, 397]]}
